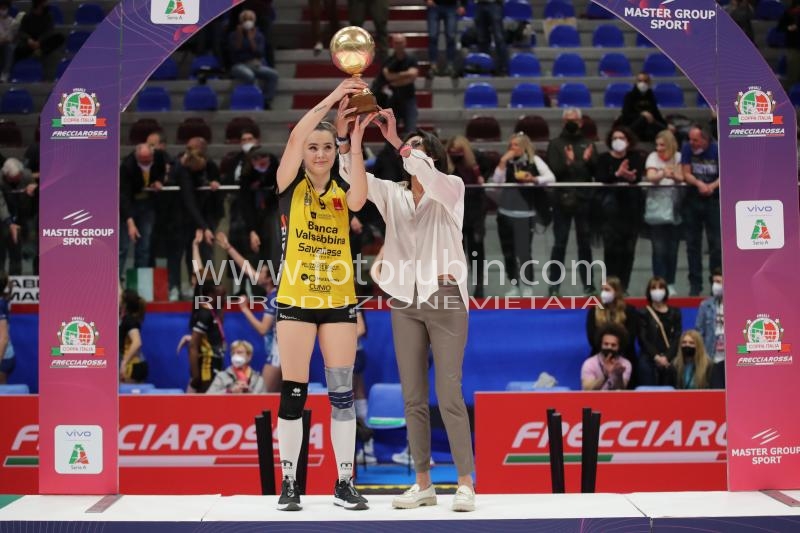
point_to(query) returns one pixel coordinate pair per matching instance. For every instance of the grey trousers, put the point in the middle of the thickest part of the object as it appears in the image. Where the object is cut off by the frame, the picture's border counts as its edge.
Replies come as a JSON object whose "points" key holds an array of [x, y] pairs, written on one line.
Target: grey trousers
{"points": [[439, 324]]}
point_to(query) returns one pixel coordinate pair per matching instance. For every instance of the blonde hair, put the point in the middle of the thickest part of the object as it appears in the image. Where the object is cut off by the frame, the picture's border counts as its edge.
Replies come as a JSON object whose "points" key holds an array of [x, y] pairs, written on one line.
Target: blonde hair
{"points": [[526, 144], [702, 363], [459, 141], [669, 141], [613, 313], [242, 344]]}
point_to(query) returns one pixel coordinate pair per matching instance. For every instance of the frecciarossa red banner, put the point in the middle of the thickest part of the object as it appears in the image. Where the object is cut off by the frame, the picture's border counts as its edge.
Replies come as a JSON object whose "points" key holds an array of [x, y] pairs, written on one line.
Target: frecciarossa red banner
{"points": [[191, 444], [649, 441]]}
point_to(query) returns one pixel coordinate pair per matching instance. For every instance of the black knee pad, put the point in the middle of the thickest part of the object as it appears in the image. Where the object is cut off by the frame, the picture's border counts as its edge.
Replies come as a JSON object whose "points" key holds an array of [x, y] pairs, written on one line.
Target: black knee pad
{"points": [[293, 400]]}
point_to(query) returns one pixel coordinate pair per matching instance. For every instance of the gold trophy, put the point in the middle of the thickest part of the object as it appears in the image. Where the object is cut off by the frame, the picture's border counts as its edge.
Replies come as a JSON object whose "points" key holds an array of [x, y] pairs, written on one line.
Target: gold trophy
{"points": [[352, 51]]}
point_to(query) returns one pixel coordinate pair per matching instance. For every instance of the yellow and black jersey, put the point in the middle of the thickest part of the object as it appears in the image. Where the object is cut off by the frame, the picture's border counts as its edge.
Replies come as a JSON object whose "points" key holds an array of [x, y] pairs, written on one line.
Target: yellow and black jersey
{"points": [[316, 267]]}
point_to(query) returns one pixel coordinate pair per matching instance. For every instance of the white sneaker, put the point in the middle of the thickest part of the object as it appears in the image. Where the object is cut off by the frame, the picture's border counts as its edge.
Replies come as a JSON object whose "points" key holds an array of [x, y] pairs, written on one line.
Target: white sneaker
{"points": [[365, 458], [415, 497], [405, 458], [464, 500], [513, 292], [174, 294]]}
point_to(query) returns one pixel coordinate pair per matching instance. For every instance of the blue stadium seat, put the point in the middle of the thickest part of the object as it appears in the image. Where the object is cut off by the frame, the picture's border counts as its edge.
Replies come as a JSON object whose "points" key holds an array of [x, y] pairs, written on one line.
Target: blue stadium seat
{"points": [[661, 388], [668, 95], [16, 101], [596, 11], [574, 95], [75, 40], [794, 94], [564, 37], [615, 94], [153, 99], [607, 36], [15, 388], [527, 95], [478, 64], [613, 65], [61, 68], [569, 64], [643, 42], [168, 70], [524, 64], [89, 14], [658, 64], [55, 12], [558, 9], [480, 95], [776, 38], [469, 12], [247, 97], [385, 407], [27, 70], [135, 388], [518, 10], [701, 102], [200, 98], [206, 62], [769, 10], [163, 391], [529, 386]]}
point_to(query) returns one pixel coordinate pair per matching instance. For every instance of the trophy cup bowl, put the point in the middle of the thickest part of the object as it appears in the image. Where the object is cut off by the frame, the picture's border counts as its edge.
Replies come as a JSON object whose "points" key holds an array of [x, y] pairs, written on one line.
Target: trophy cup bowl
{"points": [[352, 51]]}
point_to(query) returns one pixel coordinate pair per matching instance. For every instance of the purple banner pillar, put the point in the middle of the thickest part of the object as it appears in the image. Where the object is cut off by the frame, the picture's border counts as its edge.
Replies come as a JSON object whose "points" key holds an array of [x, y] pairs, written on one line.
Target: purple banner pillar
{"points": [[80, 145], [760, 241]]}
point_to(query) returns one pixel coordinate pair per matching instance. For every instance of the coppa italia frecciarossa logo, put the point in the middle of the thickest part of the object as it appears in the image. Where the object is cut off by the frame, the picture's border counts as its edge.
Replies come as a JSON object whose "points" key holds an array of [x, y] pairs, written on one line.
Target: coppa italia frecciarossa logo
{"points": [[627, 441]]}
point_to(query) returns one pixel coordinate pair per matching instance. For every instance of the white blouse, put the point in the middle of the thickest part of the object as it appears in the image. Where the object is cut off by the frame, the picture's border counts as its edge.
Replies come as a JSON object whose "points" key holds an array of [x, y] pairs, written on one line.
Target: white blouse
{"points": [[423, 242]]}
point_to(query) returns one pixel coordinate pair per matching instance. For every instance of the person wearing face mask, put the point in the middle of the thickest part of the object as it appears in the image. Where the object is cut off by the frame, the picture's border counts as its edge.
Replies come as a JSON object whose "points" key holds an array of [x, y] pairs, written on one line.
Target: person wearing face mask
{"points": [[640, 110], [516, 210], [19, 191], [607, 369], [614, 311], [700, 165], [424, 270], [572, 158], [621, 207], [258, 203], [710, 322], [246, 50], [141, 175], [239, 378], [691, 368], [660, 327]]}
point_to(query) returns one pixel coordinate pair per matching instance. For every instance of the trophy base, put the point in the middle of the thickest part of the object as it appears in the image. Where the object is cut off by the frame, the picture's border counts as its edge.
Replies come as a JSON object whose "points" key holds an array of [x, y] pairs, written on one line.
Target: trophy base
{"points": [[363, 103]]}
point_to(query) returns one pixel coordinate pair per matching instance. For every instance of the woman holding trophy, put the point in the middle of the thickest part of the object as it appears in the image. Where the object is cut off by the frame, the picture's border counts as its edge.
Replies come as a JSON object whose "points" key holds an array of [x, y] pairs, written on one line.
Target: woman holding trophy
{"points": [[316, 294], [425, 272]]}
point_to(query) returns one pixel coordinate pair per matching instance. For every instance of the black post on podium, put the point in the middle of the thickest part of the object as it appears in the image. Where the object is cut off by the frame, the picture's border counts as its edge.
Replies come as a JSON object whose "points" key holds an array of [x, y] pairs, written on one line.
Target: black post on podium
{"points": [[556, 437], [302, 464], [266, 461], [589, 450]]}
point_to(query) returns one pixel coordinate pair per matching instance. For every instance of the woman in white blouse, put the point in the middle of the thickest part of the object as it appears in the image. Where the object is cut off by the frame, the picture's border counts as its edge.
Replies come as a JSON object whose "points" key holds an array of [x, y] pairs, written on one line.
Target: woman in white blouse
{"points": [[424, 270]]}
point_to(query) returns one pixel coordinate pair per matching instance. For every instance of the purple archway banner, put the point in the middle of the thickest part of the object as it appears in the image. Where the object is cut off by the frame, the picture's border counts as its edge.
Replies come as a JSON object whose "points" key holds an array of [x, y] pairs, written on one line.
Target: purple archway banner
{"points": [[761, 247], [80, 145]]}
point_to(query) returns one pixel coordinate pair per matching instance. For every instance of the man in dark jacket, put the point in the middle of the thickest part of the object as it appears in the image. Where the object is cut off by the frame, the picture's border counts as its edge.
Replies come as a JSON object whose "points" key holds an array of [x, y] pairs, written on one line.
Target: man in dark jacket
{"points": [[640, 111], [142, 169], [572, 158]]}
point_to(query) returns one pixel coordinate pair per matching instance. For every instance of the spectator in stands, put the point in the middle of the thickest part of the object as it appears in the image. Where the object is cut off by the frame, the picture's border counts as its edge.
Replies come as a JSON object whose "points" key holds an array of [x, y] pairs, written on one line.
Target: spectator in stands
{"points": [[572, 158], [8, 35], [621, 207], [248, 139], [660, 329], [516, 210], [264, 17], [7, 358], [332, 14], [700, 165], [144, 168], [607, 369], [379, 13], [443, 12], [789, 23], [20, 193], [640, 110], [663, 206], [239, 378], [691, 368], [245, 46], [614, 310], [489, 26], [37, 34], [710, 322], [265, 288], [397, 75], [203, 207], [464, 164], [132, 364], [741, 11]]}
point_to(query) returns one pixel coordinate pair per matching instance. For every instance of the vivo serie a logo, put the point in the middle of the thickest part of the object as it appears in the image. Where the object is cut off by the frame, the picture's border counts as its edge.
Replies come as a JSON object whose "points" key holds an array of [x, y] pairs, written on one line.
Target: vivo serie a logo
{"points": [[174, 11]]}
